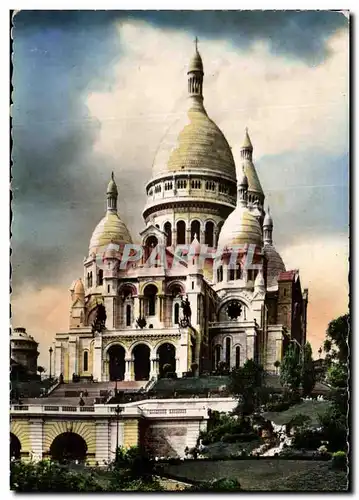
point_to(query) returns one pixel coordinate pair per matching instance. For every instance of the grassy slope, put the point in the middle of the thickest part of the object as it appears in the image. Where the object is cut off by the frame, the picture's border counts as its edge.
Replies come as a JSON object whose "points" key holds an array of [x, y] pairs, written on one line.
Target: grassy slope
{"points": [[309, 408], [267, 475]]}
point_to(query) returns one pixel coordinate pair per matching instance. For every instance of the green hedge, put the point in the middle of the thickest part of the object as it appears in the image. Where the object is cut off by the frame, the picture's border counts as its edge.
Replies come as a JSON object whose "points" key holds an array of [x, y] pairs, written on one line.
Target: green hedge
{"points": [[339, 460]]}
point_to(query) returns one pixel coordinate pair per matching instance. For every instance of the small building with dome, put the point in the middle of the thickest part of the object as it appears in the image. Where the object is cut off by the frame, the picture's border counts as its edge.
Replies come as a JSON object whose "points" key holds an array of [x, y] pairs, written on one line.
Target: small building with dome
{"points": [[132, 317]]}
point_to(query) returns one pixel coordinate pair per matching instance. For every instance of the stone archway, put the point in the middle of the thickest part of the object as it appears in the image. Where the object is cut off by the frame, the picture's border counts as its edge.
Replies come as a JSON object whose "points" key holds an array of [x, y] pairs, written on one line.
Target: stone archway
{"points": [[141, 361], [15, 447], [116, 356], [166, 354], [68, 447]]}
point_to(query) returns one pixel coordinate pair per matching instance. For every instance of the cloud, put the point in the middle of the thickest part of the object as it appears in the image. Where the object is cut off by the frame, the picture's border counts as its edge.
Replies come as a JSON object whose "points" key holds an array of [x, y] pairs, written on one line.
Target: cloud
{"points": [[297, 115]]}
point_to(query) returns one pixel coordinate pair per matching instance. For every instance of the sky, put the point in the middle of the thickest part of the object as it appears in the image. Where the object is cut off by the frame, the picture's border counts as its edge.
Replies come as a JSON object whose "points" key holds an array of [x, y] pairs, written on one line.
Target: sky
{"points": [[95, 92]]}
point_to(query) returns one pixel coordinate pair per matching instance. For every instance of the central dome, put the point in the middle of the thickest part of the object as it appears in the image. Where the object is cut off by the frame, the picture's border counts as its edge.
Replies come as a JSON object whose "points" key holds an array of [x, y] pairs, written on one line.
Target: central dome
{"points": [[194, 142]]}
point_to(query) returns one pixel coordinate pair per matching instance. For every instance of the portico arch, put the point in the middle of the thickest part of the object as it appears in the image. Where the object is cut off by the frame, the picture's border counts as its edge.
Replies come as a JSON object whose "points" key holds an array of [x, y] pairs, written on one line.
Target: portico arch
{"points": [[116, 358], [141, 361], [68, 447], [166, 354], [15, 447]]}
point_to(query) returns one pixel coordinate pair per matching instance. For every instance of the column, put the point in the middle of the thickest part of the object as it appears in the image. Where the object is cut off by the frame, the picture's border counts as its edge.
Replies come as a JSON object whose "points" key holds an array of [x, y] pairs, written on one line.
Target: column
{"points": [[128, 369], [72, 357], [178, 367], [174, 236], [183, 351], [58, 361], [141, 308], [102, 441], [251, 337], [136, 305], [112, 436], [97, 361], [36, 445], [109, 306], [154, 367], [188, 236], [201, 237]]}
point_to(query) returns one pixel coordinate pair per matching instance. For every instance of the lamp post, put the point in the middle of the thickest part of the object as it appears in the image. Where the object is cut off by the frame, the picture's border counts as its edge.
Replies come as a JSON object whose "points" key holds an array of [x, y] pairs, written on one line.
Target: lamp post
{"points": [[118, 410], [50, 352]]}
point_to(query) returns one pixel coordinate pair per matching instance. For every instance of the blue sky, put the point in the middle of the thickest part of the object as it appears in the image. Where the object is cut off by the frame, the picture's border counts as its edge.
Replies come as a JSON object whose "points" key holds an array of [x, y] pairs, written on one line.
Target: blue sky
{"points": [[83, 79]]}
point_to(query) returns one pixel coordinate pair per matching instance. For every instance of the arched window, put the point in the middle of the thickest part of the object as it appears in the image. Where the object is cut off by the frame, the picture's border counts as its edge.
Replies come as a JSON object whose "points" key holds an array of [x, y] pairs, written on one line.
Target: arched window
{"points": [[238, 356], [167, 228], [195, 229], [151, 295], [181, 232], [208, 235], [220, 274], [217, 355], [89, 279], [86, 361], [128, 315], [238, 271], [231, 274], [228, 352], [176, 313], [100, 277]]}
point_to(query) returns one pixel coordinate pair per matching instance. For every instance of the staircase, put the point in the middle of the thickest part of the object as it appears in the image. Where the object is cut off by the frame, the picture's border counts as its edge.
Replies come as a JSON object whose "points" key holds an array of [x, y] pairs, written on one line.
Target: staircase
{"points": [[91, 392]]}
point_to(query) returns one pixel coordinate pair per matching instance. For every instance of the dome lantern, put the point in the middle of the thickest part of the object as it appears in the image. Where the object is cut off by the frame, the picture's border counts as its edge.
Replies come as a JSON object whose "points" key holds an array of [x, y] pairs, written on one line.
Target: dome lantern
{"points": [[195, 74], [112, 194], [243, 189], [268, 229]]}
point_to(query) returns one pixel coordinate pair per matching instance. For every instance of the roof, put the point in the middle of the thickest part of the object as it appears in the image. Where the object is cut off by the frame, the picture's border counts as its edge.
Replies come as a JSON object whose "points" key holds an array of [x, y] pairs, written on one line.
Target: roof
{"points": [[287, 275]]}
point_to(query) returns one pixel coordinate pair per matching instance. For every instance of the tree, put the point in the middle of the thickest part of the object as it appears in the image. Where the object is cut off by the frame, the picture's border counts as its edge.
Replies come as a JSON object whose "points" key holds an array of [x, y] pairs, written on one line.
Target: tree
{"points": [[336, 342], [246, 382], [307, 370], [41, 370], [290, 372]]}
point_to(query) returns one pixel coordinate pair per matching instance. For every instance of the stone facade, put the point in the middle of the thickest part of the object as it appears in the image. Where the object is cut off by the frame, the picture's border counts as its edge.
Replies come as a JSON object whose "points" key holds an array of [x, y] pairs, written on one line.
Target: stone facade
{"points": [[247, 308], [165, 427]]}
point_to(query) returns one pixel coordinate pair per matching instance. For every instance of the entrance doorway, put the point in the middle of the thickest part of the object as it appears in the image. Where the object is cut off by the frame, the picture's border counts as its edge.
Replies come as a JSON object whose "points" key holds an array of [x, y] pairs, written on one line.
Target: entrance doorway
{"points": [[116, 354], [68, 447], [141, 356]]}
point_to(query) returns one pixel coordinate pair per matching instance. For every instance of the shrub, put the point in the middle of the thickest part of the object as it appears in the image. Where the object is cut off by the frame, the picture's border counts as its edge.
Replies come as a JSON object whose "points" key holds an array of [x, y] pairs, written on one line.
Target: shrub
{"points": [[339, 460], [223, 484], [307, 439], [233, 438]]}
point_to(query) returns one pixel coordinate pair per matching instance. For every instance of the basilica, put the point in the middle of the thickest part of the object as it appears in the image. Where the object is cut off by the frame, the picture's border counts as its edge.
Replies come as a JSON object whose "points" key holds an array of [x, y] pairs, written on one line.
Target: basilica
{"points": [[136, 319]]}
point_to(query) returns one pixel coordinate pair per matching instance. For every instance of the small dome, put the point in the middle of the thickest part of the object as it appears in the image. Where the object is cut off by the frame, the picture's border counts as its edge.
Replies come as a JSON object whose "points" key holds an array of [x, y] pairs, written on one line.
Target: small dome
{"points": [[268, 221], [275, 265], [240, 227], [79, 287], [112, 251], [196, 63], [112, 187], [259, 281], [195, 248], [111, 229], [247, 142]]}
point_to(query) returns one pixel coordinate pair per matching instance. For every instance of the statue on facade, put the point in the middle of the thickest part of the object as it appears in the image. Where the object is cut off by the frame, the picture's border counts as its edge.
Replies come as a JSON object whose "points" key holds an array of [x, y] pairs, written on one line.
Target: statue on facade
{"points": [[187, 313], [99, 323], [141, 322]]}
